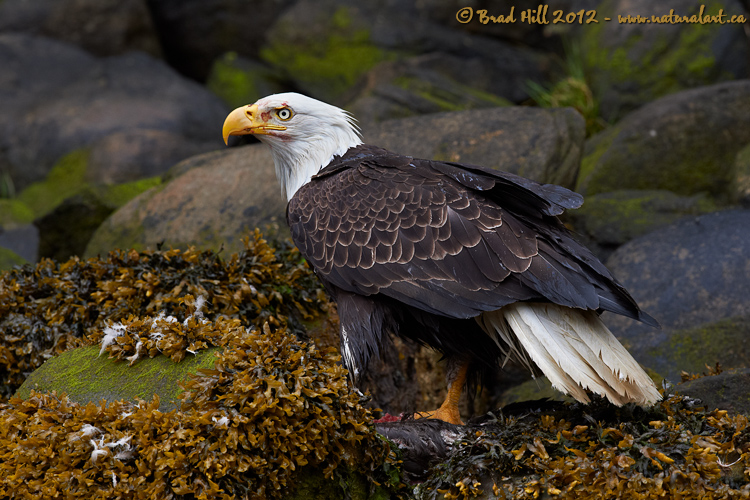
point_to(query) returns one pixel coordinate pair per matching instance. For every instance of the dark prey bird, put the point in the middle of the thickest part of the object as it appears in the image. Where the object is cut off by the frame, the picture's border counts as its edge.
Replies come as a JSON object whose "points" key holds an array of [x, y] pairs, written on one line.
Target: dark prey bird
{"points": [[468, 260]]}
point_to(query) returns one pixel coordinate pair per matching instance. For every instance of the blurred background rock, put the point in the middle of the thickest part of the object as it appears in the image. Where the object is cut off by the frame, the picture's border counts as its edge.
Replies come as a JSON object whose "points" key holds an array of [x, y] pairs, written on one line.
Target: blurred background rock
{"points": [[112, 111]]}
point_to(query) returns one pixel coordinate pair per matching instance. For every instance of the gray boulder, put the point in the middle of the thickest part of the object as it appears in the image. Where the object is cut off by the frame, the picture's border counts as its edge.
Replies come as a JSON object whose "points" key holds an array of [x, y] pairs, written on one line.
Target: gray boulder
{"points": [[140, 153], [542, 144], [196, 32], [210, 201], [57, 98], [101, 27], [686, 143], [690, 276], [419, 85]]}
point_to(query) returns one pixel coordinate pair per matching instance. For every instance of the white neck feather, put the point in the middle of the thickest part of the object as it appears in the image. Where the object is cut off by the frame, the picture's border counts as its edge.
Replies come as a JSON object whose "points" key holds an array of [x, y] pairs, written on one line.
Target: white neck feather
{"points": [[310, 143]]}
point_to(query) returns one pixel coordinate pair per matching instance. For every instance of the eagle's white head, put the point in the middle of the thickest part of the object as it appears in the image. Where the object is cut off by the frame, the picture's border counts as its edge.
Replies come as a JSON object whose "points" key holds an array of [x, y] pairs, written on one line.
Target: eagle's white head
{"points": [[304, 134]]}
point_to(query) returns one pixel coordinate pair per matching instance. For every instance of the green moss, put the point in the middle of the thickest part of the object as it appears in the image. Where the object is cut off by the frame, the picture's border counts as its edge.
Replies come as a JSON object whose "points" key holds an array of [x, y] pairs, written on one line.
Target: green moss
{"points": [[64, 180], [619, 216], [330, 64], [85, 376], [599, 146], [14, 212], [666, 66], [626, 158], [8, 259], [234, 85], [691, 349], [119, 194]]}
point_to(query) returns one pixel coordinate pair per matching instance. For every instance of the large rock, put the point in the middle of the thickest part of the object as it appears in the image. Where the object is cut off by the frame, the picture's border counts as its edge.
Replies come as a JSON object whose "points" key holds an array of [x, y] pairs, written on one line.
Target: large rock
{"points": [[195, 32], [611, 219], [633, 63], [686, 143], [57, 98], [137, 154], [419, 85], [102, 27], [689, 276], [727, 391], [210, 201], [344, 39], [541, 144]]}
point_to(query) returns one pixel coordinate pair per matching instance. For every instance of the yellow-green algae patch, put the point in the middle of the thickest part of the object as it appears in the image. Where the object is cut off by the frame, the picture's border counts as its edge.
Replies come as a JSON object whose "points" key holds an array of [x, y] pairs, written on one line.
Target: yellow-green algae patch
{"points": [[9, 259], [329, 64], [85, 376], [14, 212], [117, 195], [693, 348], [64, 180]]}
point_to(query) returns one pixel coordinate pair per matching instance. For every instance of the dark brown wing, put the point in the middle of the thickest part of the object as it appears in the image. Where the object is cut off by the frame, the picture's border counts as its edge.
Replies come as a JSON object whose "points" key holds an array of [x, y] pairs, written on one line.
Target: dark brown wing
{"points": [[448, 239]]}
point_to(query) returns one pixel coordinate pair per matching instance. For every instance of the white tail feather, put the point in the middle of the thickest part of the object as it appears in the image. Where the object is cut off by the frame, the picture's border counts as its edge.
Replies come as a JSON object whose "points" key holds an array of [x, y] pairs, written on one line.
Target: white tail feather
{"points": [[573, 348]]}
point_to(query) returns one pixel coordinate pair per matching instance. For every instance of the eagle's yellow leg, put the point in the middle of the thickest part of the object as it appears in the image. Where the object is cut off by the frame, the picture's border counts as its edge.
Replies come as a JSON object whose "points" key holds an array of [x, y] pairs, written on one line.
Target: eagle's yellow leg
{"points": [[448, 411]]}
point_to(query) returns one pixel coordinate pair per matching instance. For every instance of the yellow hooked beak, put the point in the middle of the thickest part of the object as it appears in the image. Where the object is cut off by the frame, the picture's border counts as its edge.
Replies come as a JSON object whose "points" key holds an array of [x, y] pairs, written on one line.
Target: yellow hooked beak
{"points": [[247, 120]]}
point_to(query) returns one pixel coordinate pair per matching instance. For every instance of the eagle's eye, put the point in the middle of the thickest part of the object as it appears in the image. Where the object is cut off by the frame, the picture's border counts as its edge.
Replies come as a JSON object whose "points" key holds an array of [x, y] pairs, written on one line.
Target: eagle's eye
{"points": [[284, 114]]}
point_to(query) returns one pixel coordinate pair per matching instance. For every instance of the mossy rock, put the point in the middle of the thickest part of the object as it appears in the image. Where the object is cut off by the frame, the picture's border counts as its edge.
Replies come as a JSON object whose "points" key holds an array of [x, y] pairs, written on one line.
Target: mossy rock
{"points": [[686, 143], [617, 217], [9, 258], [634, 63], [67, 208], [328, 57], [726, 390], [262, 409], [239, 81], [66, 179], [86, 376], [14, 212], [692, 349]]}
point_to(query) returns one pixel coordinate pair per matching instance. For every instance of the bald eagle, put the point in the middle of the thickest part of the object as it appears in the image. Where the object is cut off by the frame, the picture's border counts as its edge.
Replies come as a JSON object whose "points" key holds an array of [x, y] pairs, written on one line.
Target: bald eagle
{"points": [[468, 260]]}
